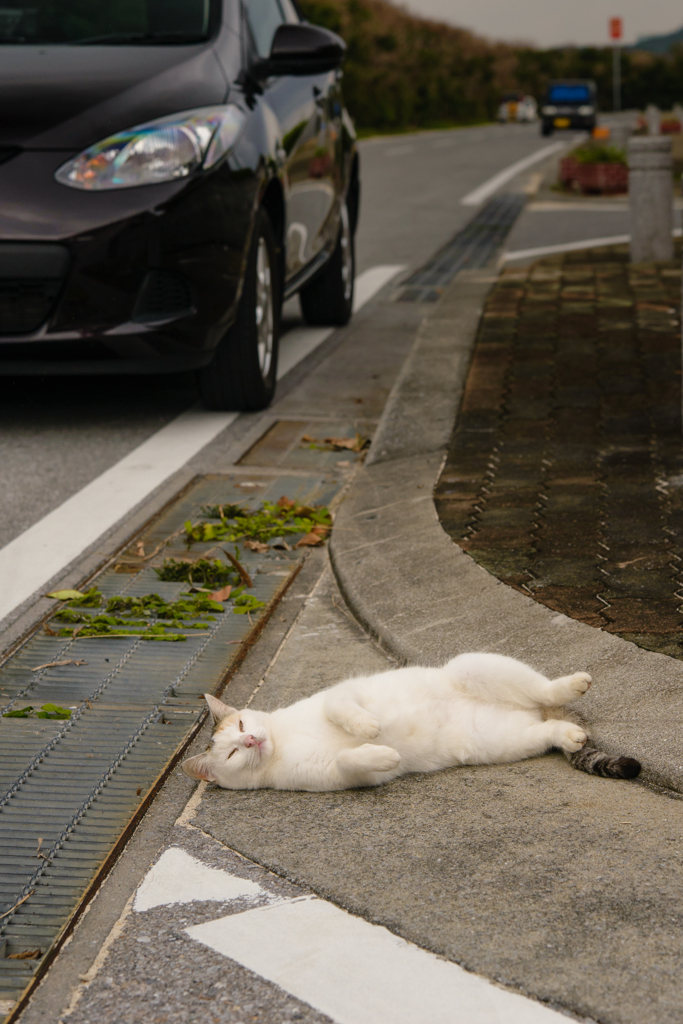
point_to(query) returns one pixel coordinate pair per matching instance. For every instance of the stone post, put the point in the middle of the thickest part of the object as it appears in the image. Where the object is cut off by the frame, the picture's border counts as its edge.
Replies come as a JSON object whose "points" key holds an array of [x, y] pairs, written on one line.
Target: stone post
{"points": [[651, 198], [654, 120]]}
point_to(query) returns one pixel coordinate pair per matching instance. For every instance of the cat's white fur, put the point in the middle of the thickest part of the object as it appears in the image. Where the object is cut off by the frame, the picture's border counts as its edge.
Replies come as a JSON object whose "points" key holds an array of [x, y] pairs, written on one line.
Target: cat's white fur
{"points": [[477, 709]]}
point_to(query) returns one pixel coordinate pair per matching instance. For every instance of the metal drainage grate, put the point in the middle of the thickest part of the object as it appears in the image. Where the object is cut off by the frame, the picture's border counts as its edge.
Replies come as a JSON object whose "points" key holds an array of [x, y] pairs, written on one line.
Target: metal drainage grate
{"points": [[70, 790], [470, 248]]}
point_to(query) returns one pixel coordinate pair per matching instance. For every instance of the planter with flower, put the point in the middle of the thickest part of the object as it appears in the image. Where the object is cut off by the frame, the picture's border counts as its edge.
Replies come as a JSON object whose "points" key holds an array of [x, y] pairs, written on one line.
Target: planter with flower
{"points": [[595, 170]]}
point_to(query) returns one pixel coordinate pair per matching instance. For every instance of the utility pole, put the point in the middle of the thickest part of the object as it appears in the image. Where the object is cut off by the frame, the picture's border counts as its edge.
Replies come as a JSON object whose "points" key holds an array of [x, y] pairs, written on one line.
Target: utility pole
{"points": [[615, 30]]}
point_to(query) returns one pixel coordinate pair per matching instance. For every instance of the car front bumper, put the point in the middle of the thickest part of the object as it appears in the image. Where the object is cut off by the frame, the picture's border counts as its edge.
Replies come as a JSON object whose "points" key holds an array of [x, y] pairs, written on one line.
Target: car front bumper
{"points": [[137, 280]]}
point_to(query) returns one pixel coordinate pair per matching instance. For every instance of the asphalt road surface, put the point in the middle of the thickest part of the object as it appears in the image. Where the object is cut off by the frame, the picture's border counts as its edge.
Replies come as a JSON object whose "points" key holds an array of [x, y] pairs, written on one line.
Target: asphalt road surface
{"points": [[58, 434]]}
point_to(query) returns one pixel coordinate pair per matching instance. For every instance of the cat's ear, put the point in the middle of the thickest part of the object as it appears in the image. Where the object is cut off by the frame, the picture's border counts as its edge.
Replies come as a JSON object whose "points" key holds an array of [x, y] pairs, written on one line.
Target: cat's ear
{"points": [[218, 709], [199, 767]]}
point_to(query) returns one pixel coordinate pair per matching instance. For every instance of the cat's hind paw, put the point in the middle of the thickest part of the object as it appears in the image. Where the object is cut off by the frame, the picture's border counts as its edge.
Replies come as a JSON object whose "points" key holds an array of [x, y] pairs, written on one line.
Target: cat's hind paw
{"points": [[570, 688], [570, 737], [581, 683]]}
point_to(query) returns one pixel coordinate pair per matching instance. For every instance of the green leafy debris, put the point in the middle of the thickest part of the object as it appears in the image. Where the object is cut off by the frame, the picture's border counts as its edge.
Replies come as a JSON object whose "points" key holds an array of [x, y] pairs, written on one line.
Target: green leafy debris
{"points": [[247, 603], [46, 711], [185, 606], [206, 572], [263, 524]]}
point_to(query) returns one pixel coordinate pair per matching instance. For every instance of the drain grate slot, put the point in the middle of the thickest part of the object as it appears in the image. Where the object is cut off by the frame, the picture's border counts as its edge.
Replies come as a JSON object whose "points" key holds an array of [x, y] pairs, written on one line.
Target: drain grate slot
{"points": [[471, 248]]}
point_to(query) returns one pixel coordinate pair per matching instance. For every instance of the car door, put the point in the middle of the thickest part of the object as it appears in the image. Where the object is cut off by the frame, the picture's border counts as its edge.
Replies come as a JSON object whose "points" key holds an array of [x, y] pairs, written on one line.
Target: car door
{"points": [[302, 106]]}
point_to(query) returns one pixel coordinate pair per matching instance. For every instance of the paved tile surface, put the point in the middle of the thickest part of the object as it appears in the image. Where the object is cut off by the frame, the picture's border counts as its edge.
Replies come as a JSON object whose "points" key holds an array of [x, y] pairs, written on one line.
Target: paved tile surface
{"points": [[565, 473]]}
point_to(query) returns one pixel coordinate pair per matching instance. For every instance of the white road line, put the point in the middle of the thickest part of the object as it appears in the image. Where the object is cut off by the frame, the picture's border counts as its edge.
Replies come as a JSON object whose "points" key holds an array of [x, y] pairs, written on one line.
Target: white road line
{"points": [[359, 973], [33, 558], [585, 243], [483, 192], [177, 877]]}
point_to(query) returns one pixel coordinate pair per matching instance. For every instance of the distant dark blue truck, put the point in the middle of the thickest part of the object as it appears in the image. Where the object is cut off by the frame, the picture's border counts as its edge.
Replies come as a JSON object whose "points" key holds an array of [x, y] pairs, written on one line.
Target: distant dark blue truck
{"points": [[569, 103]]}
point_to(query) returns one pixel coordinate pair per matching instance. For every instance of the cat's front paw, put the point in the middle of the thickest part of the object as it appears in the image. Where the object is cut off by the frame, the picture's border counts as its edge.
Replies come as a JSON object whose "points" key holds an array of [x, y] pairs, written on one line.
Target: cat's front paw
{"points": [[570, 737], [365, 725], [381, 759]]}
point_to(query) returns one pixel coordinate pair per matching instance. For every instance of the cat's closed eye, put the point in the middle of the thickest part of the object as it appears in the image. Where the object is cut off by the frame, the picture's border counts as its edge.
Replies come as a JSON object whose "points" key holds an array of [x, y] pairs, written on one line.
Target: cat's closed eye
{"points": [[241, 726], [231, 753]]}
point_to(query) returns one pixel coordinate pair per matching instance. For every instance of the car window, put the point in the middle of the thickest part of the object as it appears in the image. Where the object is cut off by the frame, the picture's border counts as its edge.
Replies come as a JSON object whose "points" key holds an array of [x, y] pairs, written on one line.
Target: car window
{"points": [[264, 17], [105, 22], [569, 94]]}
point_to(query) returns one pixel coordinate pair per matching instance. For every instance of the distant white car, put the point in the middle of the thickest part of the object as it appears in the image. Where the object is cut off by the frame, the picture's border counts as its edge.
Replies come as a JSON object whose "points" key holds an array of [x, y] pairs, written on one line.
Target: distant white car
{"points": [[516, 107]]}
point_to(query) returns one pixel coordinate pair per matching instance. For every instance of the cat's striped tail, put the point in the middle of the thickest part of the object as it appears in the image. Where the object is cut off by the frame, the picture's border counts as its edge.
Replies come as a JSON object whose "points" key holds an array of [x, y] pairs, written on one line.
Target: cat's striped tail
{"points": [[596, 762]]}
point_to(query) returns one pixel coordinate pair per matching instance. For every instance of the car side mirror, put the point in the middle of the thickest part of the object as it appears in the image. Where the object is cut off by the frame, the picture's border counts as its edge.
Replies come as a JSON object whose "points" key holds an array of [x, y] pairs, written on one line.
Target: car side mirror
{"points": [[300, 49]]}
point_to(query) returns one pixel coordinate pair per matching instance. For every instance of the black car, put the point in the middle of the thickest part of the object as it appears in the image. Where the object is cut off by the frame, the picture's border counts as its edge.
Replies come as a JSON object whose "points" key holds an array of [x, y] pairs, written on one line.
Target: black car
{"points": [[170, 172], [569, 103]]}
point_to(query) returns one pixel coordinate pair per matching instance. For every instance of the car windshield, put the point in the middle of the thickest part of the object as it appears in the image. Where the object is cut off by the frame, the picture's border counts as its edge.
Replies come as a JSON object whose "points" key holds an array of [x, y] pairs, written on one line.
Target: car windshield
{"points": [[105, 22], [569, 94]]}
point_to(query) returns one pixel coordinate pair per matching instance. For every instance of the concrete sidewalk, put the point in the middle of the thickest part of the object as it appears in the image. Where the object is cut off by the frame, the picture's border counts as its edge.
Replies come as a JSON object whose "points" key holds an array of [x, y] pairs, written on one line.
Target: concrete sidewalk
{"points": [[559, 886]]}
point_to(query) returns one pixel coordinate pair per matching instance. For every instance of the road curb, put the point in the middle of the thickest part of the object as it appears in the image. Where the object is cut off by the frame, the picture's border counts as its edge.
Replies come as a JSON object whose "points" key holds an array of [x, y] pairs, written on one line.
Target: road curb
{"points": [[425, 600]]}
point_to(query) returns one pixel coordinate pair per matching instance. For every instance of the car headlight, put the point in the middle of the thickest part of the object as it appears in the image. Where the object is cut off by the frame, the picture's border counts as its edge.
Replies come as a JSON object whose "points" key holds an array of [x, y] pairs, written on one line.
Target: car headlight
{"points": [[585, 111], [163, 150], [550, 110]]}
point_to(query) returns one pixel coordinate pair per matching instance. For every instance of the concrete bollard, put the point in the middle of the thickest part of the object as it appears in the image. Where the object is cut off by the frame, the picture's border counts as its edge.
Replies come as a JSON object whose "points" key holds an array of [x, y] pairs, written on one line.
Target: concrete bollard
{"points": [[651, 198], [654, 120]]}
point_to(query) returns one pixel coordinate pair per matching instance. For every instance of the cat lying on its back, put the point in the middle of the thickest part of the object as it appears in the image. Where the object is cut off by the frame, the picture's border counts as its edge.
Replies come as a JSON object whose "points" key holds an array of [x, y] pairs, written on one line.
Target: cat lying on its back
{"points": [[477, 709]]}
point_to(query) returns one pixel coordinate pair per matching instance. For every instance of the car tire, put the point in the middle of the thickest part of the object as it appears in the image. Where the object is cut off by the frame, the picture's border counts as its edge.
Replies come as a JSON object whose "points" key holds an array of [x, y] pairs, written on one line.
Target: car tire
{"points": [[243, 372], [328, 300], [546, 129]]}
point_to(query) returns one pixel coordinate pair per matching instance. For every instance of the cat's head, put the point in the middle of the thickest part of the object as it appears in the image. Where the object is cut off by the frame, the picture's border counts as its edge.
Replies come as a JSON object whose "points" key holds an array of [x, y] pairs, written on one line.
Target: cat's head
{"points": [[240, 748]]}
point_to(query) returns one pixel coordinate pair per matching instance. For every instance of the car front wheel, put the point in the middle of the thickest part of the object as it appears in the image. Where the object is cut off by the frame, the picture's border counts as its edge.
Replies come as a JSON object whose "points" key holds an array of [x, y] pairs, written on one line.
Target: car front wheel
{"points": [[328, 300], [243, 373]]}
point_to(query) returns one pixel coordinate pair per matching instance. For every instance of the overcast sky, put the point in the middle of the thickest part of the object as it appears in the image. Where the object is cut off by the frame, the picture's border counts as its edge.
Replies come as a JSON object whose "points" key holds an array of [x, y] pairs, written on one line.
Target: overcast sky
{"points": [[553, 22]]}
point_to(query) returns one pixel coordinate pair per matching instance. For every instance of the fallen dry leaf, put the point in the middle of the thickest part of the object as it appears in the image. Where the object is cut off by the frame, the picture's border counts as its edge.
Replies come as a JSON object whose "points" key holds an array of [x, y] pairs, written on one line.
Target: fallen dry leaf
{"points": [[140, 549], [26, 954], [55, 664], [309, 440], [352, 444], [256, 545], [221, 595], [285, 502], [282, 546], [309, 540], [48, 631]]}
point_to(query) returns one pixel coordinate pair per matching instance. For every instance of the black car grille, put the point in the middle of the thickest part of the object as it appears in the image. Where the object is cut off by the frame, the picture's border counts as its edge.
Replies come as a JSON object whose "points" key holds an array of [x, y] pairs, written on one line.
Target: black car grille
{"points": [[25, 305], [162, 297], [31, 276]]}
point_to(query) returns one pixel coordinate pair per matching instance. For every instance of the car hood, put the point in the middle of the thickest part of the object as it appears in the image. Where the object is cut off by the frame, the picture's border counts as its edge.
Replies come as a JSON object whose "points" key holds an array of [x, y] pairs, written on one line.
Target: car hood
{"points": [[69, 97]]}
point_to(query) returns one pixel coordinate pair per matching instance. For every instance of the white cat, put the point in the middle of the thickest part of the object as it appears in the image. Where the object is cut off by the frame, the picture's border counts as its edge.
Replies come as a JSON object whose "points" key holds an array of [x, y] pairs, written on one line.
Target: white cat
{"points": [[477, 709]]}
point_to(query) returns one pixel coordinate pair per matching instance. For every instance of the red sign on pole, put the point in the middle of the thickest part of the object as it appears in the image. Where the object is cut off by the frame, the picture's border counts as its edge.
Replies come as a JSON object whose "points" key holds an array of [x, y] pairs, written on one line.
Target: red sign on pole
{"points": [[615, 27]]}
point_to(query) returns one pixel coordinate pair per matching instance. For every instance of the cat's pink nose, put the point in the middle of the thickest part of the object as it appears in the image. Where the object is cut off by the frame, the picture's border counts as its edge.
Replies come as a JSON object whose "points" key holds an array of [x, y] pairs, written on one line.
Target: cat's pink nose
{"points": [[250, 741]]}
